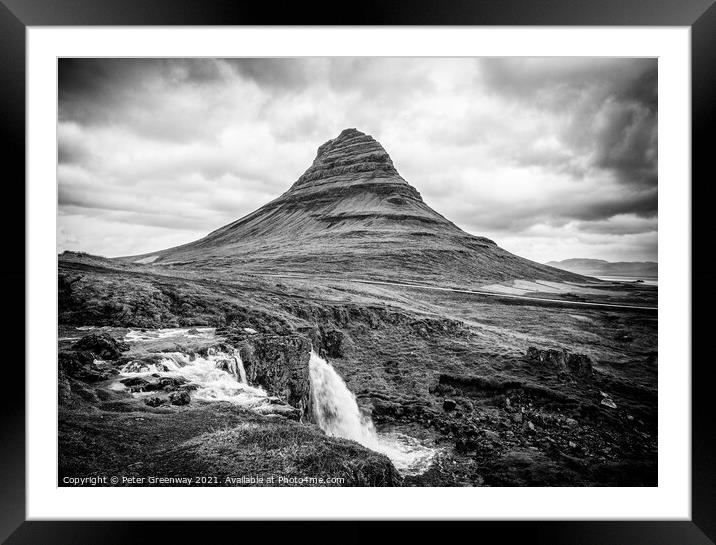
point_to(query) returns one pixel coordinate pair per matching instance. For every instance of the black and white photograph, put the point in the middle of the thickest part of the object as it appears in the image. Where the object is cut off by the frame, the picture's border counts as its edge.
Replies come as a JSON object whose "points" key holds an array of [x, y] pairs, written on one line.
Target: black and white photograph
{"points": [[357, 272]]}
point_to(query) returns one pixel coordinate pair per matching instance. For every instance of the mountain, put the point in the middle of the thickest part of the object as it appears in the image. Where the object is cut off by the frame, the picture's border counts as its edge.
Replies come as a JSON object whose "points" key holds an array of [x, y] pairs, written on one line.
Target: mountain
{"points": [[599, 267], [351, 214]]}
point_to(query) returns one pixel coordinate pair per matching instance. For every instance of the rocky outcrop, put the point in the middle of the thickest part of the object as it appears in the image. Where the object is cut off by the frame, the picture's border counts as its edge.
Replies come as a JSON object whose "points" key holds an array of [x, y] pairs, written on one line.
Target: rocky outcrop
{"points": [[279, 365], [336, 343], [561, 361], [549, 358], [72, 363], [332, 317], [103, 345], [327, 341], [77, 375], [80, 366]]}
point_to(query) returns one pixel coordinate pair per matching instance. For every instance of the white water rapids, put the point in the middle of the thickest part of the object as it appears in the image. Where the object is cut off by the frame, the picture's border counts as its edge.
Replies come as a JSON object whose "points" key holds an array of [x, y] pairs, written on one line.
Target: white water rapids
{"points": [[219, 376], [336, 412]]}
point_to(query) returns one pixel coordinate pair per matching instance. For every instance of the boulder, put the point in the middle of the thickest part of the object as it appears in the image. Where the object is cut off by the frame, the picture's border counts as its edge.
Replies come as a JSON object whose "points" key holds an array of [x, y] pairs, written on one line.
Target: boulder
{"points": [[155, 401], [103, 345], [179, 398], [155, 383], [135, 384], [279, 365], [167, 384]]}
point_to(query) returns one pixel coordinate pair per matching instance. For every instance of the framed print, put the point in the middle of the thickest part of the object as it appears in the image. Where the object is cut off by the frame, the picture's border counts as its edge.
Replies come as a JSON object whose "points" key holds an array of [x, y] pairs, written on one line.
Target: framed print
{"points": [[427, 264]]}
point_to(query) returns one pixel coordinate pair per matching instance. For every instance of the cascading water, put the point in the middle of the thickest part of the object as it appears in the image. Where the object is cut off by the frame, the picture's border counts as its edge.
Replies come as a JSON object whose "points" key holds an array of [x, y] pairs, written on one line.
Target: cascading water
{"points": [[336, 412], [218, 376], [334, 406], [221, 376]]}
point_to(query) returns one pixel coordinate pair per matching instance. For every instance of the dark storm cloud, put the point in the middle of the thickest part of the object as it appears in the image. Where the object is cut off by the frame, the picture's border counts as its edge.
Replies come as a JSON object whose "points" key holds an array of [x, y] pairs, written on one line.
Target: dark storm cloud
{"points": [[627, 142], [534, 152], [522, 215], [91, 90], [611, 105], [641, 204], [100, 78], [284, 74], [122, 92]]}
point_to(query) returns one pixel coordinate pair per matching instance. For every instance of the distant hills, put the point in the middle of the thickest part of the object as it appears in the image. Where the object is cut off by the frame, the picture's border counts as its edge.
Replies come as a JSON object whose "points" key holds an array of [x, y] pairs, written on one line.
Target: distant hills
{"points": [[351, 214], [599, 267]]}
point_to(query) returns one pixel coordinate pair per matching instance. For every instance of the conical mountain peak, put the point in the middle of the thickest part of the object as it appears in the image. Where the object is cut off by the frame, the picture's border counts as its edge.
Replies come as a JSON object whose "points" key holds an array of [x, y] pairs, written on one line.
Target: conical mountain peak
{"points": [[350, 152], [350, 144], [352, 213]]}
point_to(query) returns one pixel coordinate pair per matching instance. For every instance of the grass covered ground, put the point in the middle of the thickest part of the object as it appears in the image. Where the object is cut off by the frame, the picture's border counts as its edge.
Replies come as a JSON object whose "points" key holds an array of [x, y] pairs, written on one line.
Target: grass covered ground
{"points": [[212, 443], [404, 352]]}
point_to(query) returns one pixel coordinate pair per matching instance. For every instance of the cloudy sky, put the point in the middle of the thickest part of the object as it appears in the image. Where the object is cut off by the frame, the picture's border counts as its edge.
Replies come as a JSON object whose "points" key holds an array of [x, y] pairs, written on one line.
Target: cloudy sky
{"points": [[552, 157]]}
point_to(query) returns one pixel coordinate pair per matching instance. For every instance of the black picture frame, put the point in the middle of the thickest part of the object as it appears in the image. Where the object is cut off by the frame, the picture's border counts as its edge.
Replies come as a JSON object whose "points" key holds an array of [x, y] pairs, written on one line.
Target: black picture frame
{"points": [[17, 15]]}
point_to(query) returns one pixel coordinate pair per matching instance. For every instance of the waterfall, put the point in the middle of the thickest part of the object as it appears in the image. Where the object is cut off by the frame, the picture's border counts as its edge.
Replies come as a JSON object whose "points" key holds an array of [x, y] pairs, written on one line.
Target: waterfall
{"points": [[336, 412], [240, 367], [221, 376], [334, 406]]}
